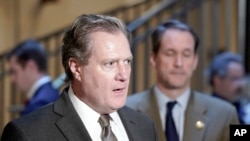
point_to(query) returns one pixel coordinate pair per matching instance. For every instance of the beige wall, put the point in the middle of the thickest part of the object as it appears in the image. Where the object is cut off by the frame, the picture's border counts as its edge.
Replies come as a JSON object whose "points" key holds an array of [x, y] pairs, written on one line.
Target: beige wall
{"points": [[6, 23], [21, 19]]}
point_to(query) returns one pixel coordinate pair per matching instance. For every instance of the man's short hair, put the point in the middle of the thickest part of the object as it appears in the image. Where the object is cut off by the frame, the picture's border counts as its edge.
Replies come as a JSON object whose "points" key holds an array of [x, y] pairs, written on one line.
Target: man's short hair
{"points": [[30, 50], [171, 24]]}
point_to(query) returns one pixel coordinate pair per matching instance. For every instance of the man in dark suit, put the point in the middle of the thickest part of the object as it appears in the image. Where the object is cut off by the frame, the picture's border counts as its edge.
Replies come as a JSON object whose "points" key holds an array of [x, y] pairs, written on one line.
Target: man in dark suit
{"points": [[180, 113], [28, 72], [97, 60]]}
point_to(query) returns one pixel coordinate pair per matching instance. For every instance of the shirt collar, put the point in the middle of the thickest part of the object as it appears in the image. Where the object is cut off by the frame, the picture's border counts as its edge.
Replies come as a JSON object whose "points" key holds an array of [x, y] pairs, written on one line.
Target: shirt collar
{"points": [[82, 108], [43, 80], [162, 99]]}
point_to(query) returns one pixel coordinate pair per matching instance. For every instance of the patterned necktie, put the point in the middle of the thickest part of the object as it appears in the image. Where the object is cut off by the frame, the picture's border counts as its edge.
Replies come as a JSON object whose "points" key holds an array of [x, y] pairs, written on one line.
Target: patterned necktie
{"points": [[107, 134], [170, 132]]}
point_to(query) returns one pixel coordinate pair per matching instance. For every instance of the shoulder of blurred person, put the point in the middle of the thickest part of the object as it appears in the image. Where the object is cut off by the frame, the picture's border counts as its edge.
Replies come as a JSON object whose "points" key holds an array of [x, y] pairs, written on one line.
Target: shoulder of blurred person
{"points": [[44, 95], [216, 107], [143, 101]]}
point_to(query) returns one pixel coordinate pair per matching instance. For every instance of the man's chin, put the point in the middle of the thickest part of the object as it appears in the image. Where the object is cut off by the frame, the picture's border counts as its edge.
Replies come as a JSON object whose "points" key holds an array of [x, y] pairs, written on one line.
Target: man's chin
{"points": [[177, 86], [118, 105]]}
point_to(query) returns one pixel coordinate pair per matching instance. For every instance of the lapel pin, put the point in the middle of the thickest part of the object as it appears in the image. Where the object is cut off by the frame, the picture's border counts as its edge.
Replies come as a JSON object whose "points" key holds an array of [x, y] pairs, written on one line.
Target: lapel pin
{"points": [[199, 125]]}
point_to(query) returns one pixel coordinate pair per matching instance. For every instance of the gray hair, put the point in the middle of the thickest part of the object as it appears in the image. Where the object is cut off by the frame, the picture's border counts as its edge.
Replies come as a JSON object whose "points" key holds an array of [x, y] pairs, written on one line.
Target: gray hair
{"points": [[219, 65], [77, 38]]}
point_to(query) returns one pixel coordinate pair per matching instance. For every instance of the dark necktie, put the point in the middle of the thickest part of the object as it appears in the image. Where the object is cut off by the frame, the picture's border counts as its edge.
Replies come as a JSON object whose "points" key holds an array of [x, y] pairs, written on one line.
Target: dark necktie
{"points": [[107, 134], [170, 131]]}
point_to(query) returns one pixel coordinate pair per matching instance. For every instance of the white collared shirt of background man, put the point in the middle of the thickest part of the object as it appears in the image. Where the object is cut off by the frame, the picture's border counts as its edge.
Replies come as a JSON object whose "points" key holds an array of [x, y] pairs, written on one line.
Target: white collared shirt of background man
{"points": [[178, 110]]}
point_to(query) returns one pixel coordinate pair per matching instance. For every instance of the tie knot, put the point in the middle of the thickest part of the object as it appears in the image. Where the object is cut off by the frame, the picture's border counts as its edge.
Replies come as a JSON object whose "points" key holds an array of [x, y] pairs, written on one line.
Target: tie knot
{"points": [[104, 120], [106, 134], [170, 105]]}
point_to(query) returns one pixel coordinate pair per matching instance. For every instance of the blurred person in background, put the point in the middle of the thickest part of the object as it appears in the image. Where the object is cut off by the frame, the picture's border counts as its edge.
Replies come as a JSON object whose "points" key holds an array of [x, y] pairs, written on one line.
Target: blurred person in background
{"points": [[179, 112], [226, 78], [28, 72]]}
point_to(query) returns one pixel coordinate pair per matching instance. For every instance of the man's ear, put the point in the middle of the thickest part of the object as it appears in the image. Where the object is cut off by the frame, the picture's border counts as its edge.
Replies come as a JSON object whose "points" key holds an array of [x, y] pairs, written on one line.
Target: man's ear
{"points": [[74, 66], [30, 66], [152, 59], [196, 61]]}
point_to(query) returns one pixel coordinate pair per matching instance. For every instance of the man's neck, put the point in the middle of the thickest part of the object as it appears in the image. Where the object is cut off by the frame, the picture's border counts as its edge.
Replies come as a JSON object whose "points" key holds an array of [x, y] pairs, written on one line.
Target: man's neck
{"points": [[172, 93]]}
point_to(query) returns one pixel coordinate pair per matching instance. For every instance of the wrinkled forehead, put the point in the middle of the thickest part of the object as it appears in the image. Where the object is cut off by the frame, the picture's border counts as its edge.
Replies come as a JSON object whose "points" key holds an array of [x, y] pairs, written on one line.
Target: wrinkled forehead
{"points": [[104, 43]]}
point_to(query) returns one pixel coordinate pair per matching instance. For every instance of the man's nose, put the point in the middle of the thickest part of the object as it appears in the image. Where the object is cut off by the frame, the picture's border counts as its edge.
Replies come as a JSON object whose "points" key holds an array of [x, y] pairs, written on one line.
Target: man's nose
{"points": [[123, 73], [178, 62]]}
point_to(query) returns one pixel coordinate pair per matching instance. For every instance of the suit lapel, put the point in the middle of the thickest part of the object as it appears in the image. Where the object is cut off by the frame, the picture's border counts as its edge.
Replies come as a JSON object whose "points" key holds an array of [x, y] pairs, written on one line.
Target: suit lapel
{"points": [[149, 106], [70, 123], [195, 113], [129, 124]]}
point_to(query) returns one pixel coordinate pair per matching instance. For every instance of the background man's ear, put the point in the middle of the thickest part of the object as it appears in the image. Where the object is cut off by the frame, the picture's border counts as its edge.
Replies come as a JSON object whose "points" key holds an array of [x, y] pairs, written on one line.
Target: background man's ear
{"points": [[31, 66], [152, 59]]}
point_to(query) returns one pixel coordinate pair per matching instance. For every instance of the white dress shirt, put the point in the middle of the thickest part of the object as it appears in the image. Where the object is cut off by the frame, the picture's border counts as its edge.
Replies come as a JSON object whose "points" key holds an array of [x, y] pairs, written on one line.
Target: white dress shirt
{"points": [[178, 110], [90, 119], [37, 85]]}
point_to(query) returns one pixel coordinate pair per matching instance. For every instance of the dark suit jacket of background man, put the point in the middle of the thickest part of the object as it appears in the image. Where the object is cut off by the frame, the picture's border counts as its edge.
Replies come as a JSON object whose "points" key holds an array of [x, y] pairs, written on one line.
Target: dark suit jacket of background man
{"points": [[216, 115], [60, 122], [44, 95]]}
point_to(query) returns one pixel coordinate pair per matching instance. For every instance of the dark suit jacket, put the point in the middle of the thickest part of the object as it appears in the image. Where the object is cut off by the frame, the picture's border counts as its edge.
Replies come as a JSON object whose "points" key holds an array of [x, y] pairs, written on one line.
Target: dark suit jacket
{"points": [[216, 115], [60, 122], [44, 95]]}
